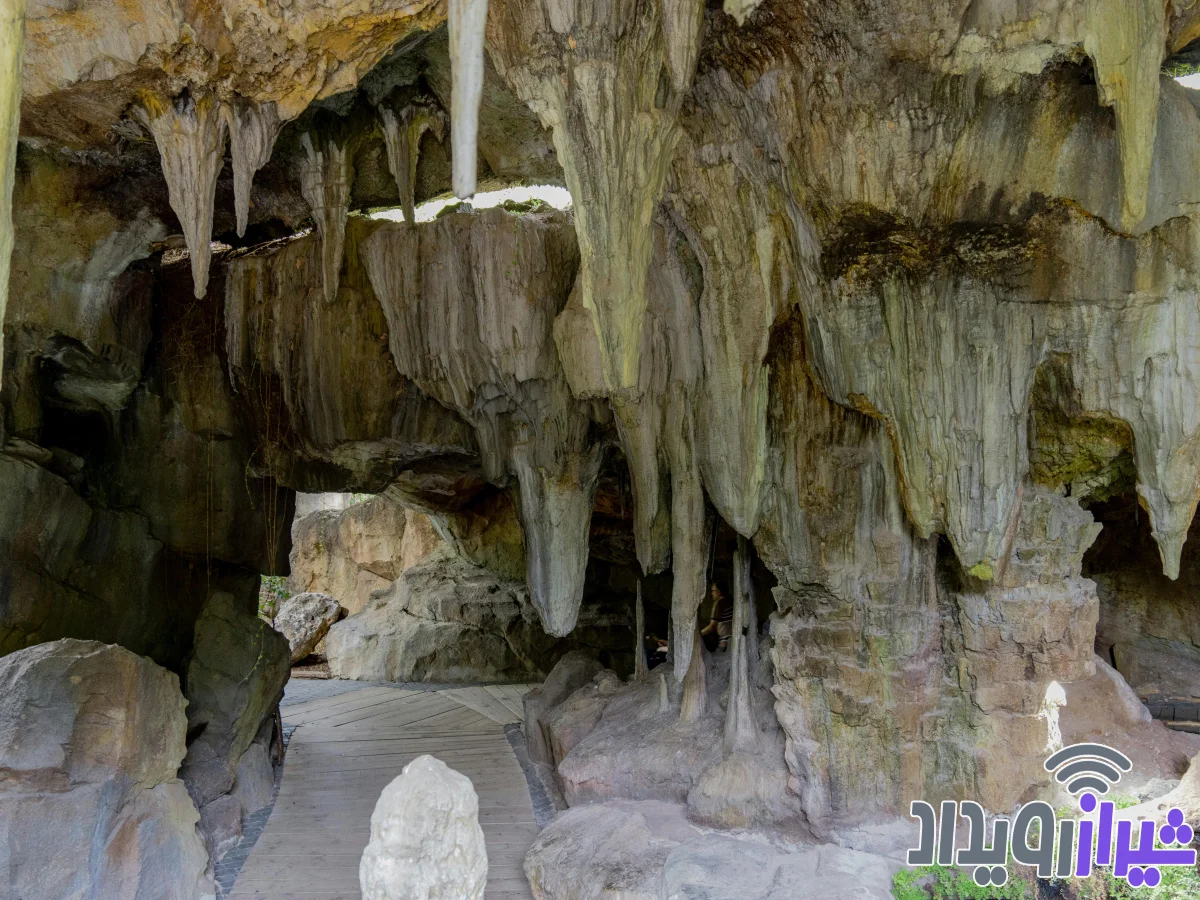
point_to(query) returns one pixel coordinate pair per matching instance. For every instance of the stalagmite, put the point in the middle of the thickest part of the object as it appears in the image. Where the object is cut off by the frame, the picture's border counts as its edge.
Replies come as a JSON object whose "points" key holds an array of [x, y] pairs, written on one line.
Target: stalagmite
{"points": [[468, 19], [252, 132], [664, 695], [740, 731], [402, 132], [639, 637], [695, 683], [12, 42], [325, 179], [689, 538], [190, 134]]}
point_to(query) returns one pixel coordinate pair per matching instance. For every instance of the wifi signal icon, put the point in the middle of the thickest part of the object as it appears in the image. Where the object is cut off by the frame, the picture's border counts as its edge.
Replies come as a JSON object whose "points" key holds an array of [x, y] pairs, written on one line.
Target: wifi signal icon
{"points": [[1084, 767]]}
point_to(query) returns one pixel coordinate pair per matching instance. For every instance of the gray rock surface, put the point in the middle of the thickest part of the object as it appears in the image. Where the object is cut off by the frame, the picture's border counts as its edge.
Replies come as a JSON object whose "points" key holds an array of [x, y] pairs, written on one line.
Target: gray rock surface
{"points": [[569, 674], [426, 843], [304, 620], [91, 738], [646, 850], [235, 679], [447, 620]]}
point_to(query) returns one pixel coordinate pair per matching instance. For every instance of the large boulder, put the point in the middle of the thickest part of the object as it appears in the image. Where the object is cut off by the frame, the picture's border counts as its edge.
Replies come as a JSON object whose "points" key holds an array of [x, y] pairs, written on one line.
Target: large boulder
{"points": [[235, 678], [448, 620], [304, 619], [647, 850], [426, 843], [91, 738], [350, 553], [569, 674]]}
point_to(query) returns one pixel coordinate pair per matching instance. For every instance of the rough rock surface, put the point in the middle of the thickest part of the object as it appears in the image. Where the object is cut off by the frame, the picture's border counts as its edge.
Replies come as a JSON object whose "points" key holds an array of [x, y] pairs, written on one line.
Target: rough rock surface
{"points": [[447, 620], [569, 674], [233, 685], [304, 619], [646, 850], [901, 293], [426, 843], [91, 738], [351, 553]]}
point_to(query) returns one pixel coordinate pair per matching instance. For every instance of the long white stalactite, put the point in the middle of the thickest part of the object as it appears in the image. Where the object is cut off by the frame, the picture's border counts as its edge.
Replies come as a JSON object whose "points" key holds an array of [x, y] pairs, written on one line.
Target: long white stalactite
{"points": [[468, 19]]}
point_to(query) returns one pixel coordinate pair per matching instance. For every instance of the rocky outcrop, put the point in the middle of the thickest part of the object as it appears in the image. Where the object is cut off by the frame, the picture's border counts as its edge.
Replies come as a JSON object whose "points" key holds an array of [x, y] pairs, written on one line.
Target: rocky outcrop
{"points": [[425, 841], [569, 674], [648, 851], [304, 619], [447, 620], [234, 682], [351, 553], [91, 738]]}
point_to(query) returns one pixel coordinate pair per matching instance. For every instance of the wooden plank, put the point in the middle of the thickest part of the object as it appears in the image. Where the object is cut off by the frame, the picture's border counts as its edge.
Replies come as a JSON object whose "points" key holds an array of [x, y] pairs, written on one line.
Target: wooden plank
{"points": [[345, 753]]}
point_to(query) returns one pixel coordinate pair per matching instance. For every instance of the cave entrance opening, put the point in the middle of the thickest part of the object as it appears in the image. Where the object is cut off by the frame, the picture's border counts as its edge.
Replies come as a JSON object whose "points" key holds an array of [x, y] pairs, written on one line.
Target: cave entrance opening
{"points": [[512, 197]]}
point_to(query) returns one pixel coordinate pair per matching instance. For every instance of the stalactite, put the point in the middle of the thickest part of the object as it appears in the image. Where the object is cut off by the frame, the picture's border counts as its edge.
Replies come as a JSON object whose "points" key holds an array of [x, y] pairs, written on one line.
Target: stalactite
{"points": [[252, 132], [12, 43], [468, 19], [616, 126], [190, 134], [402, 132], [325, 178], [556, 513], [740, 731], [1126, 40], [695, 683], [639, 638]]}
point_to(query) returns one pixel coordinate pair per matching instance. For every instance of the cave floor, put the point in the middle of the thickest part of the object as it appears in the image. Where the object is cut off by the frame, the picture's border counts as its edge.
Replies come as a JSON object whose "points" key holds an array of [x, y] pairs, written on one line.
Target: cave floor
{"points": [[348, 746]]}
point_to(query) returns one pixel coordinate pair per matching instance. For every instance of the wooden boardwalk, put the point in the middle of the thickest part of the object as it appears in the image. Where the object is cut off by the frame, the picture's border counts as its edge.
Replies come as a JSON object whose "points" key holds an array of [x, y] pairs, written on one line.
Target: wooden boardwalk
{"points": [[348, 748]]}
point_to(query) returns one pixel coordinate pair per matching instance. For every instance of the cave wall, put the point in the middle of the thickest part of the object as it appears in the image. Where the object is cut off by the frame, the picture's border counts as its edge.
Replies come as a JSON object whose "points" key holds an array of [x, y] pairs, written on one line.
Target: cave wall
{"points": [[890, 290]]}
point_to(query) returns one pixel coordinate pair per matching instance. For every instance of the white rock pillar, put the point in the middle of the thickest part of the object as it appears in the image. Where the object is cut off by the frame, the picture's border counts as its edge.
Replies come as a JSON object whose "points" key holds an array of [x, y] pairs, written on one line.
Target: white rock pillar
{"points": [[468, 18], [426, 843], [12, 43]]}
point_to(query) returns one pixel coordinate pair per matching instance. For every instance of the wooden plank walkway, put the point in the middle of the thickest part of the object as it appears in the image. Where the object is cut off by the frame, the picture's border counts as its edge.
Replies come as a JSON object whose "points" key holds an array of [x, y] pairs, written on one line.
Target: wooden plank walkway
{"points": [[348, 748]]}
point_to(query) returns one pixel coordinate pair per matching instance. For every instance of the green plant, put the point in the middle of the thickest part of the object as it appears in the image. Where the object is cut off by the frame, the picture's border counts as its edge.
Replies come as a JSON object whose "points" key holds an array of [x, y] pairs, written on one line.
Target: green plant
{"points": [[944, 883], [271, 593]]}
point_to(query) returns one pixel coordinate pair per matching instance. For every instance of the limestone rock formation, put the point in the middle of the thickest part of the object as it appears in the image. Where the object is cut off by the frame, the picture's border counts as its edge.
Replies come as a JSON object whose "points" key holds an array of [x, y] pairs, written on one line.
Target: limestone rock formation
{"points": [[304, 619], [351, 553], [569, 674], [426, 843], [447, 620], [233, 684], [91, 738], [190, 134], [647, 850], [870, 314]]}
